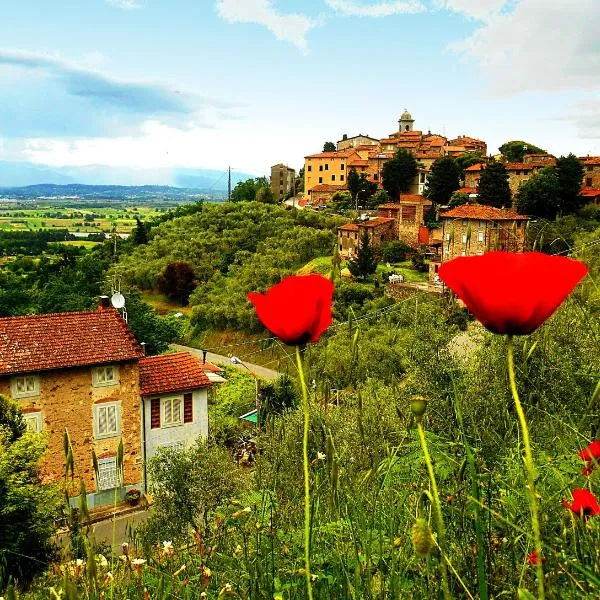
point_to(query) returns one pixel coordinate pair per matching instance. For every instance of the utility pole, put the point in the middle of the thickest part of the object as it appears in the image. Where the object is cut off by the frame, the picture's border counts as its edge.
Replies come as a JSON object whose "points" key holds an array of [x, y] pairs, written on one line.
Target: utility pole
{"points": [[229, 185]]}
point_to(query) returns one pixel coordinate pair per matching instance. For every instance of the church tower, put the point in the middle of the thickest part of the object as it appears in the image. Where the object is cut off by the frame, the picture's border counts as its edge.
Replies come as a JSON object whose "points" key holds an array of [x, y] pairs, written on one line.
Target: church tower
{"points": [[405, 122]]}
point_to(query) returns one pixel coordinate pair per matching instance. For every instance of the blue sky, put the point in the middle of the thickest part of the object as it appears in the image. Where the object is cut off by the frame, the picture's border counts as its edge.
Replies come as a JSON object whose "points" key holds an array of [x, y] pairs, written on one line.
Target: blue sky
{"points": [[159, 84]]}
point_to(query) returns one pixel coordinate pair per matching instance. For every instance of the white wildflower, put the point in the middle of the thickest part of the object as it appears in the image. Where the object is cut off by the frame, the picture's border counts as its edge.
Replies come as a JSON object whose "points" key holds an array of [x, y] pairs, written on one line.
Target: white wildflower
{"points": [[138, 562], [168, 549], [321, 456], [102, 561]]}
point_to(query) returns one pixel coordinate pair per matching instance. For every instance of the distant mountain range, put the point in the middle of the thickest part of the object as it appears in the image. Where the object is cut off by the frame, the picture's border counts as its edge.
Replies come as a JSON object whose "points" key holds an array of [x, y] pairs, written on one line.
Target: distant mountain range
{"points": [[14, 175]]}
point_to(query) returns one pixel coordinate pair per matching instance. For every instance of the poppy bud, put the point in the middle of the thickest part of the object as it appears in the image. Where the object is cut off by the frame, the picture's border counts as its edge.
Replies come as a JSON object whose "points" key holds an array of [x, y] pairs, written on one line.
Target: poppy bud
{"points": [[421, 538], [418, 405]]}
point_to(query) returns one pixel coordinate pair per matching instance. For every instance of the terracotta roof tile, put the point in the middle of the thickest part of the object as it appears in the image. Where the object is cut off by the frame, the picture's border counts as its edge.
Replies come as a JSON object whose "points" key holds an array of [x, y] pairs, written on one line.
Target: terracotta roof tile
{"points": [[476, 167], [413, 199], [390, 205], [482, 213], [348, 227], [326, 187], [590, 160], [467, 190], [57, 341], [340, 154], [376, 222], [516, 166], [358, 162], [171, 373], [590, 193]]}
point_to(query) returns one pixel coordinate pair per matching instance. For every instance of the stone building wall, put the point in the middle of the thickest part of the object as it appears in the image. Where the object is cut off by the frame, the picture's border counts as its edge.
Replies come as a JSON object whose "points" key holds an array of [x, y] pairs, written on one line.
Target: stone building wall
{"points": [[66, 401]]}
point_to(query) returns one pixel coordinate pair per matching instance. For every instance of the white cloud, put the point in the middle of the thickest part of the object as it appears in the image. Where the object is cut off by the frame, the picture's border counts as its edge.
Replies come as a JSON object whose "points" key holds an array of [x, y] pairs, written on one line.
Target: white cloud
{"points": [[477, 9], [290, 28], [540, 45], [378, 9], [125, 4]]}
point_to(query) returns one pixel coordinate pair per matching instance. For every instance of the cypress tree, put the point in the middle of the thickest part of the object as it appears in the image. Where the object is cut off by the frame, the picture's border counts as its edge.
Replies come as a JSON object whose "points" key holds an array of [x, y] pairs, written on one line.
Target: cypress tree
{"points": [[493, 188]]}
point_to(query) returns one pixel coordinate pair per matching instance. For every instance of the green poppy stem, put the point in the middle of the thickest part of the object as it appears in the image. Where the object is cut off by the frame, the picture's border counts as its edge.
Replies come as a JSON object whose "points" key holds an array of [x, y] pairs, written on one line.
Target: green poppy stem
{"points": [[529, 469], [306, 414], [437, 510]]}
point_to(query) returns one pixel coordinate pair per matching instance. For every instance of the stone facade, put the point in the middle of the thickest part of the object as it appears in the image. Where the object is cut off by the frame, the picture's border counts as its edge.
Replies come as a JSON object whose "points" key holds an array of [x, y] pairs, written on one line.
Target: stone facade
{"points": [[380, 229], [283, 180], [591, 172], [357, 140], [473, 229], [68, 400]]}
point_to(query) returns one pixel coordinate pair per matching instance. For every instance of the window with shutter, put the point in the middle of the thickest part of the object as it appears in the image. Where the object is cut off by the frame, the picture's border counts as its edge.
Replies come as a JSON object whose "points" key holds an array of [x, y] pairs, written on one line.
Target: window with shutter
{"points": [[172, 411], [188, 408], [155, 413], [107, 419]]}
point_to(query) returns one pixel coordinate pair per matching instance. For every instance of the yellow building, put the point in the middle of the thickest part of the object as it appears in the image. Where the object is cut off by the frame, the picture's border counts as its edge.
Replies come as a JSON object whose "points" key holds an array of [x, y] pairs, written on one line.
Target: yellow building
{"points": [[327, 168]]}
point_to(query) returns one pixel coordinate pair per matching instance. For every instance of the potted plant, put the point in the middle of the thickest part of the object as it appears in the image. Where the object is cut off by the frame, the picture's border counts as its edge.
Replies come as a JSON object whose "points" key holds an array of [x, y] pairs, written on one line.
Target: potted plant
{"points": [[133, 496]]}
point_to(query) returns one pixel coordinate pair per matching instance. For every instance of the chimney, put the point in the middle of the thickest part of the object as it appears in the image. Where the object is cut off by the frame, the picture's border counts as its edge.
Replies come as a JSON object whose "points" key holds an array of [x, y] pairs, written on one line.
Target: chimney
{"points": [[103, 302], [143, 345], [203, 357], [345, 136]]}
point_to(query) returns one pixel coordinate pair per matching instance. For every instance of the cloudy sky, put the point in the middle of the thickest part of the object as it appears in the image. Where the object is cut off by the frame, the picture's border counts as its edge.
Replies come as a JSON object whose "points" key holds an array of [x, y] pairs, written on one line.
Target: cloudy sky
{"points": [[209, 83]]}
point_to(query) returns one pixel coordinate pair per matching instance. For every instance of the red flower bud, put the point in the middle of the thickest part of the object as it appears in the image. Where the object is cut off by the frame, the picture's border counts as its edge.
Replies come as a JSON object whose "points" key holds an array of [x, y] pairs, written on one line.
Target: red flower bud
{"points": [[297, 310], [512, 293]]}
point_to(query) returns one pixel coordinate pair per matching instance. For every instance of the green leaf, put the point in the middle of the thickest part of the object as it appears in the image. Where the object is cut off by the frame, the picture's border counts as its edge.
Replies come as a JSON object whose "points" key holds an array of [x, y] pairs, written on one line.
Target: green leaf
{"points": [[525, 595]]}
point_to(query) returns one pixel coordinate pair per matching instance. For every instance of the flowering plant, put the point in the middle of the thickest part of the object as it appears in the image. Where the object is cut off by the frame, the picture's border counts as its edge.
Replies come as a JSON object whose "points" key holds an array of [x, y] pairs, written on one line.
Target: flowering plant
{"points": [[133, 495]]}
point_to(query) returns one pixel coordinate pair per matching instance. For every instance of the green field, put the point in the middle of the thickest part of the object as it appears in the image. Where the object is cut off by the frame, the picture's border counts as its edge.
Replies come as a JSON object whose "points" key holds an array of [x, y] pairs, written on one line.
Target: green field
{"points": [[92, 220]]}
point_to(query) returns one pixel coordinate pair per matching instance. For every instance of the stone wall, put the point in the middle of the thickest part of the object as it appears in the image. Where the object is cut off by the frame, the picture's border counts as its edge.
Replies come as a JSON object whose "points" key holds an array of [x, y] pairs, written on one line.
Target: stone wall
{"points": [[66, 401]]}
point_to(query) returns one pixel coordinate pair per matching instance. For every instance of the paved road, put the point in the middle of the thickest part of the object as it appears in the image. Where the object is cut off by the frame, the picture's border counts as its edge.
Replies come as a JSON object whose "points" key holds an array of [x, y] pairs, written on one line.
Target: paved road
{"points": [[219, 359]]}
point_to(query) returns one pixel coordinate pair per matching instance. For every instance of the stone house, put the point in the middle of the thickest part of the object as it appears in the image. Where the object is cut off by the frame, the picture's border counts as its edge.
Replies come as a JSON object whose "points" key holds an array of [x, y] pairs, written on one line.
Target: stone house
{"points": [[80, 372], [356, 140], [473, 229], [379, 229], [323, 193], [283, 179], [591, 171], [409, 215]]}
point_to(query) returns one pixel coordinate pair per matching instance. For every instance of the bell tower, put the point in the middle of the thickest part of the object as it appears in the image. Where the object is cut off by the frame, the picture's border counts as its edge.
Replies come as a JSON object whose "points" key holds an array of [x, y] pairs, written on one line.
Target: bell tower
{"points": [[405, 122]]}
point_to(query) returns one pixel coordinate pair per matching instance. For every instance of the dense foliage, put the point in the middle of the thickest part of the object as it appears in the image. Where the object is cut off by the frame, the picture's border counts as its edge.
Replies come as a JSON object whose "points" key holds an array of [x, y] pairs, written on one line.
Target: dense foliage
{"points": [[28, 510], [398, 173], [515, 150], [493, 188], [233, 249], [443, 180]]}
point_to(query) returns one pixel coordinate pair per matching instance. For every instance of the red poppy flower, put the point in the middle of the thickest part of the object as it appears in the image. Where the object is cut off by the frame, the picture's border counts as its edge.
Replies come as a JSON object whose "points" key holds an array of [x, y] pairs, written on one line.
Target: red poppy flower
{"points": [[297, 310], [512, 293], [592, 452], [584, 503], [532, 558]]}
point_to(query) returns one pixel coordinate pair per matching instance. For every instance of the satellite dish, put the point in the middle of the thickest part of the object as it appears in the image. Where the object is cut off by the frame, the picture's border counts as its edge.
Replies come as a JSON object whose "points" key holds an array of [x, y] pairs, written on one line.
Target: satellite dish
{"points": [[117, 300]]}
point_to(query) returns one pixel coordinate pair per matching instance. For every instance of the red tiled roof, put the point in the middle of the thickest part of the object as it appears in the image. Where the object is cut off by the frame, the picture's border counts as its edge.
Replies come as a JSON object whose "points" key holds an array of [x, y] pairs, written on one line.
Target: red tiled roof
{"points": [[348, 227], [482, 213], [590, 193], [326, 187], [358, 162], [476, 167], [467, 190], [208, 366], [171, 373], [413, 199], [390, 205], [389, 141], [590, 160], [516, 166], [376, 222], [340, 154], [57, 341]]}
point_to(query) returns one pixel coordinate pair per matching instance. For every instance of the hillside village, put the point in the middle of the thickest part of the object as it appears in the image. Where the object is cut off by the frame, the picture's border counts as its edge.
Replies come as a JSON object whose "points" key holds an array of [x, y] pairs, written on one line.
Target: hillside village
{"points": [[443, 232]]}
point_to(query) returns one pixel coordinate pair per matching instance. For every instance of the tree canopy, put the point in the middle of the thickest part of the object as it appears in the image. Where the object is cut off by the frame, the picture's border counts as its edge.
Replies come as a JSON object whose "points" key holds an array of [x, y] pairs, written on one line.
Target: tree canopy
{"points": [[570, 177], [493, 188], [538, 196], [253, 189], [443, 180], [398, 173], [329, 147], [365, 262], [515, 150]]}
